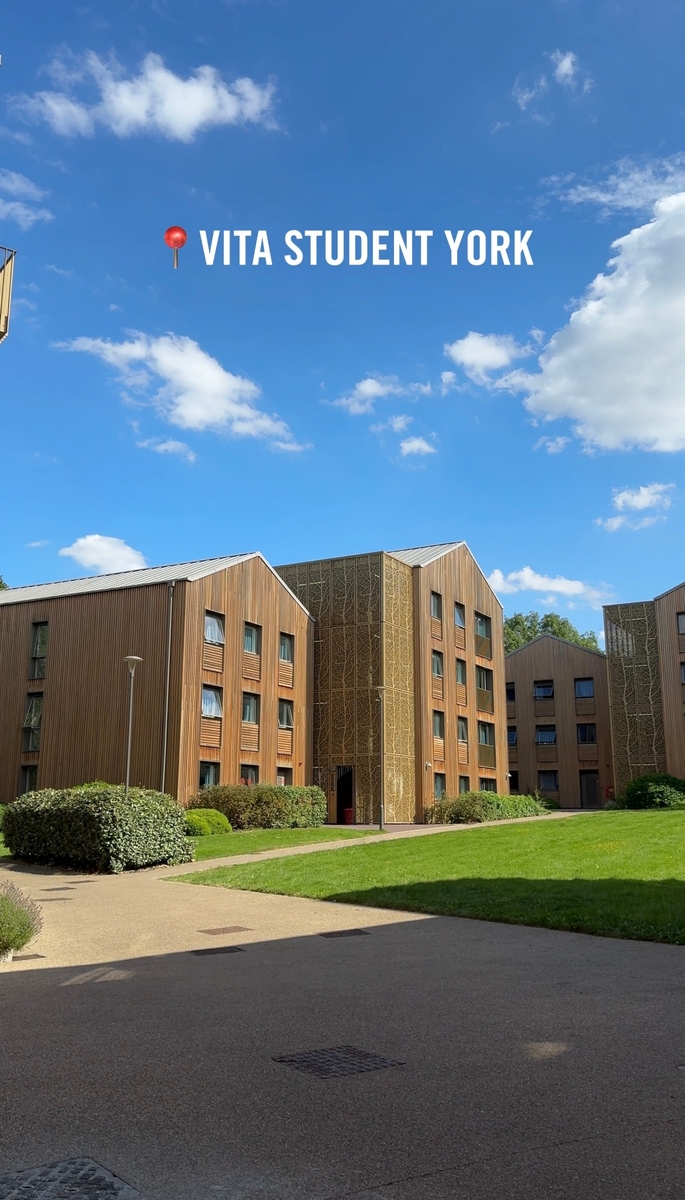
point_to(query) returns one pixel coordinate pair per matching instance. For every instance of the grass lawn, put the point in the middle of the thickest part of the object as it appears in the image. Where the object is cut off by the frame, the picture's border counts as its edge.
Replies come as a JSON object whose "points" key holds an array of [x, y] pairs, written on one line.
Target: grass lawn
{"points": [[619, 874], [3, 848], [251, 841]]}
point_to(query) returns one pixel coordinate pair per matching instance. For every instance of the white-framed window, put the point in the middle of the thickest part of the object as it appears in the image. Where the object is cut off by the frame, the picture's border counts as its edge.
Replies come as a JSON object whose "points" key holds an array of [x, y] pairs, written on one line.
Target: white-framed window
{"points": [[214, 628], [285, 714], [212, 701]]}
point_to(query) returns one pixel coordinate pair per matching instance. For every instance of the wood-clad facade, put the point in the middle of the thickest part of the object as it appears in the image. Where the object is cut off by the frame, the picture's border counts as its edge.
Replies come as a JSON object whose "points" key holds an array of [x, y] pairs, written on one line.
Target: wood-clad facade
{"points": [[63, 712], [559, 728], [403, 643]]}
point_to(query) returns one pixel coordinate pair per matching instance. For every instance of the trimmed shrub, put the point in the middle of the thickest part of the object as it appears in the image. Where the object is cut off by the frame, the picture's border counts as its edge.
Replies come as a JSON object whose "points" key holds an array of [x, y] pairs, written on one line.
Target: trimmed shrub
{"points": [[20, 918], [265, 805], [201, 822], [482, 806], [95, 827], [654, 791]]}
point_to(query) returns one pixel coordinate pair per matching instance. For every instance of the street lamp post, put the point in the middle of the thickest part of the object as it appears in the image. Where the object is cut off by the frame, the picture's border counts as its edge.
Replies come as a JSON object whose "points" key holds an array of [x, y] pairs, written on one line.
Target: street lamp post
{"points": [[132, 660]]}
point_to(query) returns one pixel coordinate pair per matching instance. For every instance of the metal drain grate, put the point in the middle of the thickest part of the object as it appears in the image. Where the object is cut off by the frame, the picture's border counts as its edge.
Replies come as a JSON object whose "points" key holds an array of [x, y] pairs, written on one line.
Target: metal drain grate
{"points": [[337, 1061], [219, 950], [227, 929], [77, 1178], [346, 933]]}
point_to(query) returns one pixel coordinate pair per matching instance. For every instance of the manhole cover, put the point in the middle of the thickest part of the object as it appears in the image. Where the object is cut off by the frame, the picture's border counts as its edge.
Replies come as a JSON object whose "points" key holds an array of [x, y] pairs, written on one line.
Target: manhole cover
{"points": [[219, 950], [73, 1179], [227, 929], [339, 1060], [346, 933]]}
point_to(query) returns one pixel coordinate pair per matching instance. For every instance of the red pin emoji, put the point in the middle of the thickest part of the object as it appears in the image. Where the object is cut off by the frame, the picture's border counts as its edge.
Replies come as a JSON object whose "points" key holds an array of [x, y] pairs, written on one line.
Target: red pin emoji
{"points": [[175, 237]]}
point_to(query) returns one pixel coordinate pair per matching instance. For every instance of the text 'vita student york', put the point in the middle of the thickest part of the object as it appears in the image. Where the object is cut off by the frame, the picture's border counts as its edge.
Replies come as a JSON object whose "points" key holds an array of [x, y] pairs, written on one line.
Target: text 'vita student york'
{"points": [[356, 247]]}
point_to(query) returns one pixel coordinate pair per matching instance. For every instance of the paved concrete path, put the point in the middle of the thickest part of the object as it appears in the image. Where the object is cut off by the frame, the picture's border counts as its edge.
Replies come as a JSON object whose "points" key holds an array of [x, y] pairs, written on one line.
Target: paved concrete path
{"points": [[537, 1065]]}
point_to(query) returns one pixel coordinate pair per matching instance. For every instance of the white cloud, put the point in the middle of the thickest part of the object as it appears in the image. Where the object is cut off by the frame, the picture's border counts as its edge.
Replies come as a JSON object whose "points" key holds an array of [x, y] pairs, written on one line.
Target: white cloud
{"points": [[524, 95], [196, 392], [292, 447], [103, 554], [364, 394], [552, 445], [153, 101], [630, 187], [448, 382], [480, 354], [617, 369], [35, 545], [416, 445], [168, 447], [399, 423], [16, 185], [567, 71], [651, 495], [527, 580]]}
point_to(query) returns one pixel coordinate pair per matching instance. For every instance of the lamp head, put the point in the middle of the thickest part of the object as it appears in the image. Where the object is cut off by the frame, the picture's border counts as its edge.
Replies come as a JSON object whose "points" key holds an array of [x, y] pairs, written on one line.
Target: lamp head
{"points": [[132, 659]]}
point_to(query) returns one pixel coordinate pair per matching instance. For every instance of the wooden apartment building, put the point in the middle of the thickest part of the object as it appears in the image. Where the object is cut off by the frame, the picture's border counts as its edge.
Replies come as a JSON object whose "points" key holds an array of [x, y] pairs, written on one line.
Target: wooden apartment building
{"points": [[223, 692], [558, 726], [409, 698]]}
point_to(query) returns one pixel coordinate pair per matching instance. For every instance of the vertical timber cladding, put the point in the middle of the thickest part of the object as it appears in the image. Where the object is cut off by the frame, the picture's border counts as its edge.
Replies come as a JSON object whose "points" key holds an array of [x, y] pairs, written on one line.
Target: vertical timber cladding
{"points": [[344, 596], [667, 608], [248, 591], [637, 724], [399, 747]]}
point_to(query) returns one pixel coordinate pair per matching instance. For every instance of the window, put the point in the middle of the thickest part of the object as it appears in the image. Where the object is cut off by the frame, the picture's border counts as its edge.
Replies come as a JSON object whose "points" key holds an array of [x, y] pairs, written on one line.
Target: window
{"points": [[209, 774], [252, 640], [487, 785], [39, 649], [546, 735], [459, 616], [285, 714], [437, 664], [486, 734], [484, 679], [284, 777], [682, 672], [214, 629], [548, 781], [483, 626], [585, 688], [249, 775], [250, 708], [462, 729], [512, 735], [438, 724], [461, 671], [543, 689], [32, 721], [464, 784], [681, 622], [587, 735], [439, 786], [286, 647], [436, 606], [513, 781], [212, 705], [511, 693], [29, 780]]}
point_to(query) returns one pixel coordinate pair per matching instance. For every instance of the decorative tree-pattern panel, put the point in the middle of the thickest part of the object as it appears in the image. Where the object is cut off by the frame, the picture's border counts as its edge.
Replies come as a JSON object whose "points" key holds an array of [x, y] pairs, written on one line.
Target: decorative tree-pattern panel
{"points": [[634, 691], [400, 767]]}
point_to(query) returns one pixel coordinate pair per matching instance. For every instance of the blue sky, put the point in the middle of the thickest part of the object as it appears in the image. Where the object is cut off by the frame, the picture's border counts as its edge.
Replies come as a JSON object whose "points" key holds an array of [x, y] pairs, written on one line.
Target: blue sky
{"points": [[156, 415]]}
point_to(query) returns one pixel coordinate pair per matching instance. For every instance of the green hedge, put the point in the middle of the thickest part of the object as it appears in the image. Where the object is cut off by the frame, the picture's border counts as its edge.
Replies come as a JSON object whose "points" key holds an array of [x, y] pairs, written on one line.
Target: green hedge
{"points": [[654, 791], [201, 822], [96, 827], [2, 813], [20, 918], [265, 805], [481, 806]]}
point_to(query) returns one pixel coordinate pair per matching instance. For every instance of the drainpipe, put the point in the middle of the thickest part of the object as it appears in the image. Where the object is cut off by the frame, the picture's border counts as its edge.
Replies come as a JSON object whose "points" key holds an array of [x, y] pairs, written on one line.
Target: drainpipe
{"points": [[167, 678]]}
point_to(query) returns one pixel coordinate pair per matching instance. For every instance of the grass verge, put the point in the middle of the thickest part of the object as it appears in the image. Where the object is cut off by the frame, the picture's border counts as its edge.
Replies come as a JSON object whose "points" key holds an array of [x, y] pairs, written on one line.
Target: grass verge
{"points": [[252, 841], [616, 874]]}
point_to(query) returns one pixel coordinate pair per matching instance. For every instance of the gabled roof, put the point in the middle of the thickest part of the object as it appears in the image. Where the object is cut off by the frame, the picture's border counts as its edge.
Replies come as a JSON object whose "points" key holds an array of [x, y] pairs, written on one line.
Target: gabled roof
{"points": [[143, 577], [421, 556], [677, 588], [553, 638]]}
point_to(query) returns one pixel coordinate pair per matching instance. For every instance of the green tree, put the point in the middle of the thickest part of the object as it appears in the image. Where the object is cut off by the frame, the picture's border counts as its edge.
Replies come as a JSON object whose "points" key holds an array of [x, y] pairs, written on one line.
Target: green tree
{"points": [[521, 628], [3, 585]]}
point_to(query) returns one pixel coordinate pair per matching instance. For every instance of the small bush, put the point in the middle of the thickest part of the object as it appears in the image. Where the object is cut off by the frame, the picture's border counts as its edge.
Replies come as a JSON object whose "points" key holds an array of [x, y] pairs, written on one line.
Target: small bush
{"points": [[482, 806], [20, 918], [200, 822], [265, 805], [2, 813], [96, 827], [654, 791]]}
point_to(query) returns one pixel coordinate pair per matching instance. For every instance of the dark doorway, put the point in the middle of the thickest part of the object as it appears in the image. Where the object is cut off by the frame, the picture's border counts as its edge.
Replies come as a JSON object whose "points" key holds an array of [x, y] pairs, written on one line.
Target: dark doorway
{"points": [[589, 789], [345, 796]]}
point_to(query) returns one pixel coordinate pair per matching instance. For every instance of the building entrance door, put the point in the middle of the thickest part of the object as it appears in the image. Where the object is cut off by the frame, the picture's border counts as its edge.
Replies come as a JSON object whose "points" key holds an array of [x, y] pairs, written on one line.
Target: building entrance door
{"points": [[345, 796], [589, 789]]}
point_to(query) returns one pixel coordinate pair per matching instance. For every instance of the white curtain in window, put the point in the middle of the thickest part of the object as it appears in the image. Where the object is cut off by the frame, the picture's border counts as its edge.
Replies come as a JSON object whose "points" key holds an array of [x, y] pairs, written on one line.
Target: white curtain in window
{"points": [[211, 702], [214, 629]]}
